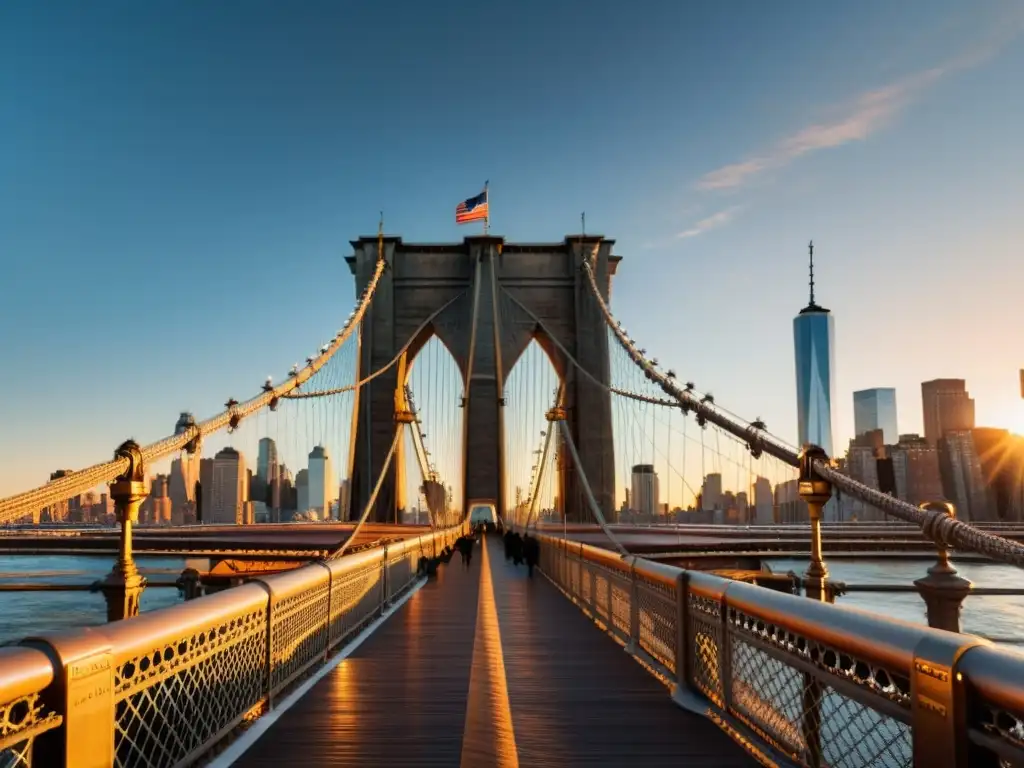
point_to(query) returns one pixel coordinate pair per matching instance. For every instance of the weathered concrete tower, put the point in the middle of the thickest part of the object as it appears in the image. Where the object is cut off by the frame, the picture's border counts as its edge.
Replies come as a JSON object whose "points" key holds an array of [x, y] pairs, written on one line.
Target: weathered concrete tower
{"points": [[477, 297]]}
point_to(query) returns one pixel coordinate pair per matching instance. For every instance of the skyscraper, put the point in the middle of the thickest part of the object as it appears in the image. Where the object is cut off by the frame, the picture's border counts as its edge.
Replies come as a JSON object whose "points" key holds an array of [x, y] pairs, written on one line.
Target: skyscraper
{"points": [[343, 500], [266, 458], [764, 503], [269, 473], [915, 467], [302, 490], [814, 341], [181, 486], [711, 496], [645, 489], [962, 478], [321, 482], [225, 501], [1001, 455], [159, 501], [947, 408], [875, 409]]}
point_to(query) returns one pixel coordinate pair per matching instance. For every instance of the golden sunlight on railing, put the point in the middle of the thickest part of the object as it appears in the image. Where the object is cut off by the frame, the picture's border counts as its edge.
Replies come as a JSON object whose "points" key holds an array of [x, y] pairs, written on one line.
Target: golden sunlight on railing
{"points": [[182, 681]]}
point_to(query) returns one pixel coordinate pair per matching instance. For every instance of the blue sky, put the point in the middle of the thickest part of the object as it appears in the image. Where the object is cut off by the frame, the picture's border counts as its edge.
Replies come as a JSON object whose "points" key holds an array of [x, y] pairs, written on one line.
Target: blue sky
{"points": [[179, 182]]}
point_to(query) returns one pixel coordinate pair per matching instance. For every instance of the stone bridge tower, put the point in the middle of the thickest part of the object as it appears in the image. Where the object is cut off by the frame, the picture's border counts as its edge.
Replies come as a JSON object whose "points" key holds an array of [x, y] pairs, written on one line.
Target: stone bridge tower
{"points": [[486, 331]]}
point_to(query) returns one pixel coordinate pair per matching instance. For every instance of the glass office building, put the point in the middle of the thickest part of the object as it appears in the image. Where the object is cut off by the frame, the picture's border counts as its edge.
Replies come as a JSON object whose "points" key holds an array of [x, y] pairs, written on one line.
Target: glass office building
{"points": [[814, 342], [876, 409], [814, 339]]}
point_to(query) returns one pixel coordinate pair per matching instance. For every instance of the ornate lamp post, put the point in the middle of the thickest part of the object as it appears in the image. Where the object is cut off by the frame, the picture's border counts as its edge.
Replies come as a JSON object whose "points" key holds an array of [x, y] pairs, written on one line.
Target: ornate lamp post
{"points": [[816, 491], [123, 586], [943, 589]]}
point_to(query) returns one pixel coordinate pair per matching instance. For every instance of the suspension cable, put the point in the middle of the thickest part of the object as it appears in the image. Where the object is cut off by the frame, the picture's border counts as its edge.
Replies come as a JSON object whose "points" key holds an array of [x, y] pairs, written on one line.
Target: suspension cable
{"points": [[20, 505], [541, 466], [359, 384], [373, 496], [584, 371], [937, 525], [595, 508], [757, 437]]}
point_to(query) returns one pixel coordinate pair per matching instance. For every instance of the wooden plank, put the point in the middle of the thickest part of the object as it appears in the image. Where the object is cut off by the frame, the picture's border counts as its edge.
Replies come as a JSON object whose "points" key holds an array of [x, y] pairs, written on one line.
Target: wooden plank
{"points": [[399, 700], [578, 699], [574, 697]]}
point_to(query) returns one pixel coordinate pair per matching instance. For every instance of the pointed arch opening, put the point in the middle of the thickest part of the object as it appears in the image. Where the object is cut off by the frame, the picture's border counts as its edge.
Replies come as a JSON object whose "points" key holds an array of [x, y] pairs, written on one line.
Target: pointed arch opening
{"points": [[431, 471], [532, 386]]}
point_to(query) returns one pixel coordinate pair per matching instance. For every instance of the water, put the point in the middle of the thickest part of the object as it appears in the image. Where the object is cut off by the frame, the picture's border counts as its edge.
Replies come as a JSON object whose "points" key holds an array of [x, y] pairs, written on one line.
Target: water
{"points": [[998, 617], [24, 613]]}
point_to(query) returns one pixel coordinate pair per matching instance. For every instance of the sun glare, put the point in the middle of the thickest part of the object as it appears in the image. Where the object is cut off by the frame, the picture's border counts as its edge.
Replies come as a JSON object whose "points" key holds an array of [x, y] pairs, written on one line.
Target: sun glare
{"points": [[1013, 418]]}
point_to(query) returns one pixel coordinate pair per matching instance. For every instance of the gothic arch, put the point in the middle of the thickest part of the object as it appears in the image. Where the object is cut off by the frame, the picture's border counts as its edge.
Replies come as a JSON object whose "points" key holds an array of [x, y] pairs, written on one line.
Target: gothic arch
{"points": [[473, 281]]}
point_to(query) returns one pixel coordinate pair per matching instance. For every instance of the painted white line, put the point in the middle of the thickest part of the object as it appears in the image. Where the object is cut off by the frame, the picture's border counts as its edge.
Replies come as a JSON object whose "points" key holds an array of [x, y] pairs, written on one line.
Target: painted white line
{"points": [[247, 739]]}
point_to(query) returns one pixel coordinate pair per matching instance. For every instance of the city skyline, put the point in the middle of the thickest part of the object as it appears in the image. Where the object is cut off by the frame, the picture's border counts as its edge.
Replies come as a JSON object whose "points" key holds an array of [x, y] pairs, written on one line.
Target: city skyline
{"points": [[839, 125]]}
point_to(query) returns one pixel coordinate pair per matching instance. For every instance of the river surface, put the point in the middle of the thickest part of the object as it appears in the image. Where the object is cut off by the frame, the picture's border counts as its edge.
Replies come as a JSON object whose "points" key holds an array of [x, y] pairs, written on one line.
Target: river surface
{"points": [[997, 617], [1000, 618], [24, 613]]}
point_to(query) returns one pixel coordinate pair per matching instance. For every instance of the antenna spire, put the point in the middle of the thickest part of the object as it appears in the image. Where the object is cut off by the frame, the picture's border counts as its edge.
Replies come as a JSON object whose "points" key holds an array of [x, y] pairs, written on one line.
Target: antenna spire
{"points": [[810, 247], [583, 223]]}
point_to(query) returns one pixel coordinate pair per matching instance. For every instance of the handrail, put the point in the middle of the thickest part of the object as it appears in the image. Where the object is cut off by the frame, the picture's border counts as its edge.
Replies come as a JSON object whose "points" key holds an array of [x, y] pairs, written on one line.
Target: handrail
{"points": [[24, 674], [797, 681], [224, 659]]}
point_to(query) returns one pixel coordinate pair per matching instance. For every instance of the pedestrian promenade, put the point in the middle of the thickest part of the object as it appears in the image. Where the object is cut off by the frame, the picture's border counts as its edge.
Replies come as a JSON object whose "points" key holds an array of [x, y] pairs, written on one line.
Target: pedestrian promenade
{"points": [[484, 666]]}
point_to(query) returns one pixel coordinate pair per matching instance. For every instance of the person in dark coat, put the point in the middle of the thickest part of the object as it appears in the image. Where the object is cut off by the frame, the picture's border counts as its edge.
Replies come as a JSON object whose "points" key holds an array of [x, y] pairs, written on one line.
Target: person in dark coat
{"points": [[517, 549], [507, 538], [531, 552], [465, 546]]}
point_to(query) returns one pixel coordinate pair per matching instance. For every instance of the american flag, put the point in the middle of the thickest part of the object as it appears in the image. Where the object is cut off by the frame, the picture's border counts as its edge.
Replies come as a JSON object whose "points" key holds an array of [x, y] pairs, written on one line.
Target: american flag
{"points": [[473, 209]]}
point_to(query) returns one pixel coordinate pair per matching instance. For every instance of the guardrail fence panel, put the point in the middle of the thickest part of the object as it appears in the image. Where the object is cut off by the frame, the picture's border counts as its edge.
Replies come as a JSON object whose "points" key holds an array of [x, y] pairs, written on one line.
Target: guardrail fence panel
{"points": [[809, 683], [24, 715], [175, 685]]}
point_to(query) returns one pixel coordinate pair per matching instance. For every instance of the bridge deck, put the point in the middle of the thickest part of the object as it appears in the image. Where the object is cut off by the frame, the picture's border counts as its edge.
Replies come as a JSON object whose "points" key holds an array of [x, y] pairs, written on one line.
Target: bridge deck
{"points": [[486, 667]]}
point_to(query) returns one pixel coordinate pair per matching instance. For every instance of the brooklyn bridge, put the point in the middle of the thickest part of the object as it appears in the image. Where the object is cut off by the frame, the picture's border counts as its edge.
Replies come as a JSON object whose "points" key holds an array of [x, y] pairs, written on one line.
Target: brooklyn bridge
{"points": [[481, 389]]}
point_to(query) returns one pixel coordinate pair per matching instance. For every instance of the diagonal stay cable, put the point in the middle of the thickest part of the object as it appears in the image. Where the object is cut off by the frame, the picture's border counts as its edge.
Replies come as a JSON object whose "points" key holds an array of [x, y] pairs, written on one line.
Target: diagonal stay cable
{"points": [[373, 496]]}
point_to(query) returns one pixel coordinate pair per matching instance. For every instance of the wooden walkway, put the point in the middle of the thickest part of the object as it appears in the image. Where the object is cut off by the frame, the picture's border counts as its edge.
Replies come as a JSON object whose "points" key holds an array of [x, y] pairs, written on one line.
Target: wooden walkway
{"points": [[485, 667]]}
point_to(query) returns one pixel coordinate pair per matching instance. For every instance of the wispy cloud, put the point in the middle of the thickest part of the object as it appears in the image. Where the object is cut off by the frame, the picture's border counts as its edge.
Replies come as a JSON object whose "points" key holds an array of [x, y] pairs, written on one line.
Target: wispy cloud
{"points": [[856, 121], [709, 223], [863, 116]]}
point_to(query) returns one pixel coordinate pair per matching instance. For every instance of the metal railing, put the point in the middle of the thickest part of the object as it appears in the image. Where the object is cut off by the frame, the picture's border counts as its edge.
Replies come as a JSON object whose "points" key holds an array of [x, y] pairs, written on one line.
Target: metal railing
{"points": [[173, 686], [802, 682]]}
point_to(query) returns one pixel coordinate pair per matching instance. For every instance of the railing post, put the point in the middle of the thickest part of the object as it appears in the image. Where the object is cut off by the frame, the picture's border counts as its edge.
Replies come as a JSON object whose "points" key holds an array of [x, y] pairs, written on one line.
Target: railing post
{"points": [[83, 692], [122, 587], [385, 586], [810, 718], [633, 646], [269, 677], [943, 589], [816, 491], [330, 606], [684, 655], [725, 652], [939, 701], [593, 593]]}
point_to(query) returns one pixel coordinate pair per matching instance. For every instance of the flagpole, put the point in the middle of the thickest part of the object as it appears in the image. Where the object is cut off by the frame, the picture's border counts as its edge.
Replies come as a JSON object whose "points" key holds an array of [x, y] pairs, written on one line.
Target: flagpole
{"points": [[487, 200]]}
